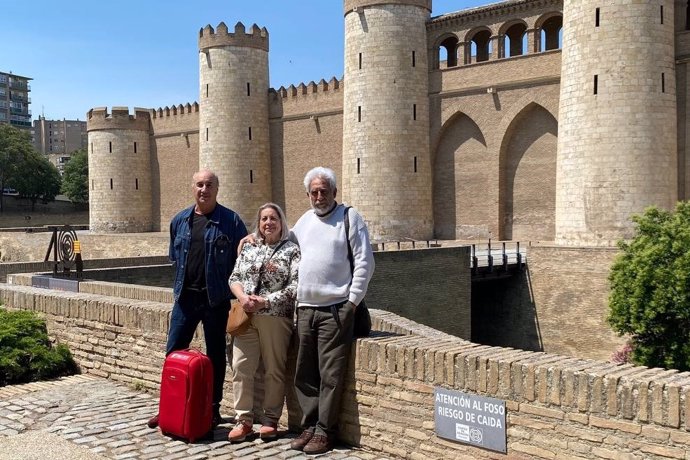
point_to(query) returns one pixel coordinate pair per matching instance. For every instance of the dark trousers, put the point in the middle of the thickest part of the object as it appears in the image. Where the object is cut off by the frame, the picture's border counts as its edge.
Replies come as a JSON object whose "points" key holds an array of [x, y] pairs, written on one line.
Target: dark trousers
{"points": [[325, 339], [191, 308]]}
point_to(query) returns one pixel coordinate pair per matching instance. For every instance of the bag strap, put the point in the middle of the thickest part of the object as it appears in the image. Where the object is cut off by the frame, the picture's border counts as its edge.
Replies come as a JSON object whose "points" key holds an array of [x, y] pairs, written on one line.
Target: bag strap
{"points": [[346, 221], [261, 270]]}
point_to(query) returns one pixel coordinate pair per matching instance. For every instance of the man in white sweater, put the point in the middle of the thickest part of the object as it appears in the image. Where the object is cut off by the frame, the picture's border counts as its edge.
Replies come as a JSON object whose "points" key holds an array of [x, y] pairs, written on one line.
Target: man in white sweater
{"points": [[328, 293]]}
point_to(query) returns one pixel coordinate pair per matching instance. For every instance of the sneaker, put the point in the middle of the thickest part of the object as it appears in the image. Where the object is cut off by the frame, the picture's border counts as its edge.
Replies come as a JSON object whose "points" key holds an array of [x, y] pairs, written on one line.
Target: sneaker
{"points": [[302, 440], [318, 444], [153, 422], [240, 432], [268, 430]]}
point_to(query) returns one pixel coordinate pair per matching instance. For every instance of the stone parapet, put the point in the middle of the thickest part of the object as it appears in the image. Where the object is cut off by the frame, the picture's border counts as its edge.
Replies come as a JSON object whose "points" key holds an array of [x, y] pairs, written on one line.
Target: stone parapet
{"points": [[557, 407], [350, 5]]}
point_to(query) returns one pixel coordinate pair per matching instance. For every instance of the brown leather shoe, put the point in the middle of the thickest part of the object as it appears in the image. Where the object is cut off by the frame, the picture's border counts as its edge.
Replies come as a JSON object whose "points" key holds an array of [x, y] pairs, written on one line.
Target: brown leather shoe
{"points": [[318, 444], [153, 422], [302, 440]]}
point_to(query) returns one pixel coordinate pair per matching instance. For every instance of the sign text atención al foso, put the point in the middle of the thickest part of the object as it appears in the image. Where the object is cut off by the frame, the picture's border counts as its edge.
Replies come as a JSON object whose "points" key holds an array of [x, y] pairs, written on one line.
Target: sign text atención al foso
{"points": [[471, 419]]}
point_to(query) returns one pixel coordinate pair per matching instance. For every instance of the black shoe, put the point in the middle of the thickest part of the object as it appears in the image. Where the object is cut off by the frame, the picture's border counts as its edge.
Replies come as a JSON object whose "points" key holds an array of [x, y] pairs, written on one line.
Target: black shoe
{"points": [[153, 422], [216, 420]]}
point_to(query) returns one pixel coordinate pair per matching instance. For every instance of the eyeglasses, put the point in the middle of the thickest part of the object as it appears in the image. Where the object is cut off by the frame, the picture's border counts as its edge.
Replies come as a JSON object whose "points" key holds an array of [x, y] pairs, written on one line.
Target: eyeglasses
{"points": [[315, 193]]}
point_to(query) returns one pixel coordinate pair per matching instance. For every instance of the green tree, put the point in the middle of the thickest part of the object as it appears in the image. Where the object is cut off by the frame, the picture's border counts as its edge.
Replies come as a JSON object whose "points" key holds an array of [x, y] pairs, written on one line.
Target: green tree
{"points": [[75, 177], [15, 144], [650, 289], [36, 178]]}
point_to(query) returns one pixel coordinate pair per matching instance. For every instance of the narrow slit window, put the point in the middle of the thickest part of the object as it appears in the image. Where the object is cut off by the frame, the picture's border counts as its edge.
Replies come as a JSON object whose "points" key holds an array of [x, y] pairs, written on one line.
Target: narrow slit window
{"points": [[92, 147], [358, 165], [93, 184], [110, 147], [206, 89], [414, 111], [111, 184], [597, 16], [661, 13], [251, 176], [596, 84], [206, 133], [415, 164], [136, 183], [663, 82], [249, 89], [359, 113], [250, 133], [135, 147], [414, 59], [360, 61]]}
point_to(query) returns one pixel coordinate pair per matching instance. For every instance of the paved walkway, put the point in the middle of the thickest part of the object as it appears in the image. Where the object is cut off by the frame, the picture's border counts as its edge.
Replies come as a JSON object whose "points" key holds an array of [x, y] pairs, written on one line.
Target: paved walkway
{"points": [[87, 418]]}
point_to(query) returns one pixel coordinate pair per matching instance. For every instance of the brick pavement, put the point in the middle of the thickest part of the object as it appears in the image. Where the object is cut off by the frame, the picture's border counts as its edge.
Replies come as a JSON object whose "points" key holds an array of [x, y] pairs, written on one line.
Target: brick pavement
{"points": [[109, 420]]}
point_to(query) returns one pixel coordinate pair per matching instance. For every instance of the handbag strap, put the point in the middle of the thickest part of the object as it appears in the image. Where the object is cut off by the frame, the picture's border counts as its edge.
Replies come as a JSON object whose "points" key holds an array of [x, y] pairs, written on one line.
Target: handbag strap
{"points": [[346, 221], [261, 270]]}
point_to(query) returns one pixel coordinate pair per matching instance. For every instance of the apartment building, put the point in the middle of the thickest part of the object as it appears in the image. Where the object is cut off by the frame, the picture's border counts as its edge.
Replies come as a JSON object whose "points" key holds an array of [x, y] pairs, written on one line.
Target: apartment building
{"points": [[14, 100], [57, 139]]}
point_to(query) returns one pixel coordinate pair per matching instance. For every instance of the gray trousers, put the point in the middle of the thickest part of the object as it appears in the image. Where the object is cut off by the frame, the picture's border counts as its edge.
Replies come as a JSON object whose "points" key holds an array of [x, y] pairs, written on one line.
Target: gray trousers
{"points": [[325, 340]]}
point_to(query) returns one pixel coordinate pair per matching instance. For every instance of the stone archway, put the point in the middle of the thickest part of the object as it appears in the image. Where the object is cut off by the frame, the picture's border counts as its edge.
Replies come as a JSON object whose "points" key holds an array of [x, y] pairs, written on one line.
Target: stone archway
{"points": [[527, 171], [462, 181]]}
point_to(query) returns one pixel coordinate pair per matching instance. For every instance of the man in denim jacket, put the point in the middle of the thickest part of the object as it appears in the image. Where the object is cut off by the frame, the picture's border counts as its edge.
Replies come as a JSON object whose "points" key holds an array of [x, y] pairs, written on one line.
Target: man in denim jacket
{"points": [[203, 249]]}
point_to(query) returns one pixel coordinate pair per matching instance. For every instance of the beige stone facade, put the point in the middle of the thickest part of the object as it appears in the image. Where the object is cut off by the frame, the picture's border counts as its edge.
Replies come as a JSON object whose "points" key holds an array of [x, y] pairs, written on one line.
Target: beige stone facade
{"points": [[470, 125]]}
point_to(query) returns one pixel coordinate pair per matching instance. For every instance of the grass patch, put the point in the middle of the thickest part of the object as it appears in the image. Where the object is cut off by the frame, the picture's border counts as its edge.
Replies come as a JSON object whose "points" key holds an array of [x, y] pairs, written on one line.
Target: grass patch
{"points": [[26, 353]]}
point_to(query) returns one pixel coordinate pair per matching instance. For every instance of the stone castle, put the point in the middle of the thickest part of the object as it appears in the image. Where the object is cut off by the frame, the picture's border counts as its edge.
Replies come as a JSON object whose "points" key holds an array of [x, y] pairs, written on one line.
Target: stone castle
{"points": [[548, 120]]}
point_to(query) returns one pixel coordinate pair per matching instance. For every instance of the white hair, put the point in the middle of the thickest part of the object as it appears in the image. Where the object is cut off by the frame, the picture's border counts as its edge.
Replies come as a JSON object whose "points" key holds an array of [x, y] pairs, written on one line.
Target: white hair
{"points": [[322, 173]]}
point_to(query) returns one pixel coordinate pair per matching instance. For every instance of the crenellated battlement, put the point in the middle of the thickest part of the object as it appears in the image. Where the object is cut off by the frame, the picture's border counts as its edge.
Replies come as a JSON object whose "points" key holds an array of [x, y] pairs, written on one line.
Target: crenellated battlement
{"points": [[210, 38], [98, 118], [175, 110], [293, 91]]}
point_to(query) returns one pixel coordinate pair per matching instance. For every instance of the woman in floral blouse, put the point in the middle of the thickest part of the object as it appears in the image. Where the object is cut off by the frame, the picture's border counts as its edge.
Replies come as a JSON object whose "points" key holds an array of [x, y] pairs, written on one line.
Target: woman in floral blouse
{"points": [[265, 283]]}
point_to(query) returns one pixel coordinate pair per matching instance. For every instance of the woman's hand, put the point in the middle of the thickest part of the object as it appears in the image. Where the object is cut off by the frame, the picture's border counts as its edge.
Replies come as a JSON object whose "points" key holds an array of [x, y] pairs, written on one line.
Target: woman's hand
{"points": [[247, 302], [258, 303]]}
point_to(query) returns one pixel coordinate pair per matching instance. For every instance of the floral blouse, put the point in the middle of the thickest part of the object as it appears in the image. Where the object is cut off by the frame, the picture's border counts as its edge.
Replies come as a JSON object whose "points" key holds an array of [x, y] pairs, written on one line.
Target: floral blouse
{"points": [[278, 274]]}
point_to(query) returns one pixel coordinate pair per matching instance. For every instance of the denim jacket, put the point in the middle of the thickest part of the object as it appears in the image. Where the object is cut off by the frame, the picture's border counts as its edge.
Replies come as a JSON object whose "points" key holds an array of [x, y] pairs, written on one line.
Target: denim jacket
{"points": [[223, 233]]}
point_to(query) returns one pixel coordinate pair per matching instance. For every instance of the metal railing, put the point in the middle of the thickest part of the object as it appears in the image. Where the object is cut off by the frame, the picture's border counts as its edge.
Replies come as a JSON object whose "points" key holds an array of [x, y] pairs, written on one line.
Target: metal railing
{"points": [[502, 256]]}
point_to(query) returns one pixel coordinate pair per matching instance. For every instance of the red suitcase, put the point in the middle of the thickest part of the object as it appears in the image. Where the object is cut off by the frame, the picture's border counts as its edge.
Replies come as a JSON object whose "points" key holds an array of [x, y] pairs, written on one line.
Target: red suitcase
{"points": [[185, 408]]}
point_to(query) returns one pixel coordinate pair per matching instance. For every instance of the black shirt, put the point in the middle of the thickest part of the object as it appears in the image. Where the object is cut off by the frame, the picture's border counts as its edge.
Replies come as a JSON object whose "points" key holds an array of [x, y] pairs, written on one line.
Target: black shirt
{"points": [[195, 274]]}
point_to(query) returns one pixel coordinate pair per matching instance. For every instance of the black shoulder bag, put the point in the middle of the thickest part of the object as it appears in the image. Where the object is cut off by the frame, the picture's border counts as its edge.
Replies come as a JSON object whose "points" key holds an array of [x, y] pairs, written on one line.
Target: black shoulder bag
{"points": [[362, 322]]}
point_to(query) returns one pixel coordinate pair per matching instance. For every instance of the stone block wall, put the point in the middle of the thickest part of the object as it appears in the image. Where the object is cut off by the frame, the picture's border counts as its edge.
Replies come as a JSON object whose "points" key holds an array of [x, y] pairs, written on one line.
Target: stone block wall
{"points": [[557, 407]]}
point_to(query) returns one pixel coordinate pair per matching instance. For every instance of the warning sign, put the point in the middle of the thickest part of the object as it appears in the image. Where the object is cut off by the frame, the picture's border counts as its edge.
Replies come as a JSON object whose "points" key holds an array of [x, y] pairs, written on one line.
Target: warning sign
{"points": [[470, 418]]}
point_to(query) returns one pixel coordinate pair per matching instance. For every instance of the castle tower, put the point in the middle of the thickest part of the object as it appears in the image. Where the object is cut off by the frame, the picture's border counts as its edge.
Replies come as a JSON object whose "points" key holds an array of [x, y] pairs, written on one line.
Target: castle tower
{"points": [[617, 118], [386, 171], [120, 196], [233, 115]]}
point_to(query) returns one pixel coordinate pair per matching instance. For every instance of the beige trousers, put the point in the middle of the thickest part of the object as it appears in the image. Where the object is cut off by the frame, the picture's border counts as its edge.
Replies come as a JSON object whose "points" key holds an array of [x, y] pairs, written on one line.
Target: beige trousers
{"points": [[267, 339]]}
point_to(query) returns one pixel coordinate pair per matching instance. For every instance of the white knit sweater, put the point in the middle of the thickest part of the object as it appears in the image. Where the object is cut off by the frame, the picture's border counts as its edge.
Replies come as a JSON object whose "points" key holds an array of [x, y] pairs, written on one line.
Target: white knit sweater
{"points": [[324, 271]]}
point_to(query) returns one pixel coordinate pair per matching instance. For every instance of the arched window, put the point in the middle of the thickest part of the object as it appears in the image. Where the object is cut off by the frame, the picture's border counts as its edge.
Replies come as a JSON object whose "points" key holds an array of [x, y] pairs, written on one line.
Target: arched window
{"points": [[515, 40], [481, 46], [449, 47], [552, 33]]}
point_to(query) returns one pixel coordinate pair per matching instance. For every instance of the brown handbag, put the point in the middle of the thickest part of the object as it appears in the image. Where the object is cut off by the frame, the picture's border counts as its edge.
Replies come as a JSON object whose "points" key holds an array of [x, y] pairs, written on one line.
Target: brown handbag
{"points": [[238, 319]]}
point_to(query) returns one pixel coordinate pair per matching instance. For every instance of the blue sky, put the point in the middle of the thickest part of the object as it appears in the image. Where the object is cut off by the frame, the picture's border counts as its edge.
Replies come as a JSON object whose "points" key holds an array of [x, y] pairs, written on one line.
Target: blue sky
{"points": [[83, 54]]}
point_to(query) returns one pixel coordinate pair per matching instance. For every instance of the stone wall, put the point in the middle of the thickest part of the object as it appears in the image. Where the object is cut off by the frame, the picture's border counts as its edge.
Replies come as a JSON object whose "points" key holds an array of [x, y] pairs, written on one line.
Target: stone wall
{"points": [[558, 305], [557, 407]]}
